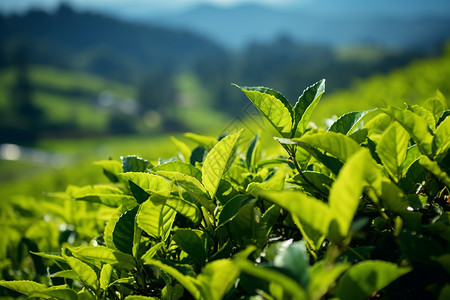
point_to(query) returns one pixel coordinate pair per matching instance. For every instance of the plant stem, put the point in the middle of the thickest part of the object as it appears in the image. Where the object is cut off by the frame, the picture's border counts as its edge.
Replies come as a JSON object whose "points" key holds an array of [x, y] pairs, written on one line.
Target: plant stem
{"points": [[299, 170]]}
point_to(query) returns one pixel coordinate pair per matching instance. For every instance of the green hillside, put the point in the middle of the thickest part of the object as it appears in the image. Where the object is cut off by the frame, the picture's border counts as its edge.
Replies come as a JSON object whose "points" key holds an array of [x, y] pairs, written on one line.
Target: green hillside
{"points": [[412, 84]]}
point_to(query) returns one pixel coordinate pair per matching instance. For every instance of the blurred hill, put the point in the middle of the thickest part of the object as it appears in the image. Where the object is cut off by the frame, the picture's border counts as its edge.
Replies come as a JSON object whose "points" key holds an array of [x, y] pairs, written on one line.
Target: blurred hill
{"points": [[150, 78], [101, 45], [403, 24]]}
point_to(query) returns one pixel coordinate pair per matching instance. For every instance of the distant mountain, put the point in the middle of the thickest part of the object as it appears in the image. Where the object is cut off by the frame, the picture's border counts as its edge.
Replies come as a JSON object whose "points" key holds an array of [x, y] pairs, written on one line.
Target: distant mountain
{"points": [[102, 45], [401, 24]]}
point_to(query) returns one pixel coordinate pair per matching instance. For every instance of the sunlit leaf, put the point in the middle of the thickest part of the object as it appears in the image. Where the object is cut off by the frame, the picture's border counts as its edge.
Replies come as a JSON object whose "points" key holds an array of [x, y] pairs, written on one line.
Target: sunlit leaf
{"points": [[346, 191], [185, 208], [217, 161], [182, 148], [155, 218], [86, 274], [62, 292], [392, 148], [104, 194], [424, 114], [150, 183], [216, 278], [416, 126], [23, 286], [206, 141], [441, 141], [334, 143], [347, 123], [305, 106], [309, 210], [322, 276], [274, 183], [275, 108], [103, 254], [180, 167], [105, 276]]}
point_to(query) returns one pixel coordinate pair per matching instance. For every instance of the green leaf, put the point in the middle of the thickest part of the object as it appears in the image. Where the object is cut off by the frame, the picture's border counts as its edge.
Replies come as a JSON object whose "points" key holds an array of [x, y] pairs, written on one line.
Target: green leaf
{"points": [[191, 242], [185, 208], [63, 292], [436, 105], [155, 218], [23, 286], [305, 106], [274, 183], [103, 254], [347, 123], [322, 276], [180, 167], [288, 284], [69, 274], [104, 194], [110, 168], [441, 141], [231, 209], [275, 108], [217, 278], [188, 282], [334, 143], [253, 153], [150, 183], [364, 278], [105, 276], [188, 182], [346, 191], [198, 155], [424, 114], [320, 180], [434, 168], [86, 294], [206, 141], [152, 252], [133, 163], [87, 274], [138, 193], [392, 148], [294, 258], [309, 210], [124, 231], [217, 161], [182, 148], [195, 189], [416, 126], [109, 229]]}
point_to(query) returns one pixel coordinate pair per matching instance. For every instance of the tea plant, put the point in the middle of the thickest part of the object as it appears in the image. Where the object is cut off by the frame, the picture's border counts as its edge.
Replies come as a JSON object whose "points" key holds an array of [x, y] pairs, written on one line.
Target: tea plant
{"points": [[355, 211]]}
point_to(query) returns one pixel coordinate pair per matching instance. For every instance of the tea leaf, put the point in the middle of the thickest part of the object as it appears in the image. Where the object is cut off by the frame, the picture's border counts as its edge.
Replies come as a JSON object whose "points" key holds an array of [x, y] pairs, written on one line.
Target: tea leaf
{"points": [[275, 108], [416, 126], [364, 278], [392, 148], [217, 161], [305, 106], [334, 143]]}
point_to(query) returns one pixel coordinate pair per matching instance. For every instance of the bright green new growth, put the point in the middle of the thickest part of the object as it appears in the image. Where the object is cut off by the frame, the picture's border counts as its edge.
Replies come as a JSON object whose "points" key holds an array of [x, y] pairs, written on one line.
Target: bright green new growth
{"points": [[355, 211]]}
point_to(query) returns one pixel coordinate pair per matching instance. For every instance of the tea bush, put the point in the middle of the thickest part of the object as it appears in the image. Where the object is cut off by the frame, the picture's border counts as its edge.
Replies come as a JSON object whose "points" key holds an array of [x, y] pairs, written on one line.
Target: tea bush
{"points": [[357, 210]]}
